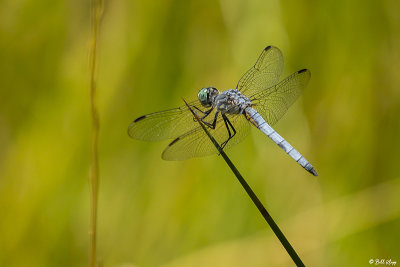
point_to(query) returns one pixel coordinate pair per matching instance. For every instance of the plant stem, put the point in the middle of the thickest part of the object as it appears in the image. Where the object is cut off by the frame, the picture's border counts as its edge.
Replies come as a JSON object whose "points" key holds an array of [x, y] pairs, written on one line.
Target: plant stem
{"points": [[96, 13], [285, 243]]}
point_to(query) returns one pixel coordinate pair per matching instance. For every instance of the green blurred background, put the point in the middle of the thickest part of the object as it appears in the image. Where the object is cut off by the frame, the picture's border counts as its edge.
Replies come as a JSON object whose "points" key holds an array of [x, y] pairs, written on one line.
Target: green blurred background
{"points": [[195, 213]]}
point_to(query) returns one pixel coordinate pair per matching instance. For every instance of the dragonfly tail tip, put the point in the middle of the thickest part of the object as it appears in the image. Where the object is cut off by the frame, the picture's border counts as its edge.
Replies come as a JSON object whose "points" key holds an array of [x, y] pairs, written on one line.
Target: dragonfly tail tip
{"points": [[313, 172]]}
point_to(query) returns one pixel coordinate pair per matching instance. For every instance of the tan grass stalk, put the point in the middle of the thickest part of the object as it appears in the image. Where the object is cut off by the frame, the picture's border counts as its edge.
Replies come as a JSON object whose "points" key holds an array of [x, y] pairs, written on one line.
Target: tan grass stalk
{"points": [[96, 10]]}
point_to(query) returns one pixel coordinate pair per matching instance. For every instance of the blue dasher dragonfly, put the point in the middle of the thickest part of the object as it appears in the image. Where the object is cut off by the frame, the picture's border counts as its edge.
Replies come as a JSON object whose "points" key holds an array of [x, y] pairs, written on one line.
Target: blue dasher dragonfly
{"points": [[259, 99]]}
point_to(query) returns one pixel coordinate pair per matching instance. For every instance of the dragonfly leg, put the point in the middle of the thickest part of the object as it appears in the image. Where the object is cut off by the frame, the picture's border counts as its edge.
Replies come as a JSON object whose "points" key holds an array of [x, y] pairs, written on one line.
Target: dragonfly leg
{"points": [[211, 125], [228, 124], [205, 113]]}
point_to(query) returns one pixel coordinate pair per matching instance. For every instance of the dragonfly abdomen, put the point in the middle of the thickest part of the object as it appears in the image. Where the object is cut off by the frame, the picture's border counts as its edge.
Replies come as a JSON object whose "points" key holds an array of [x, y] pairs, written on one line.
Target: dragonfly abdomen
{"points": [[257, 120]]}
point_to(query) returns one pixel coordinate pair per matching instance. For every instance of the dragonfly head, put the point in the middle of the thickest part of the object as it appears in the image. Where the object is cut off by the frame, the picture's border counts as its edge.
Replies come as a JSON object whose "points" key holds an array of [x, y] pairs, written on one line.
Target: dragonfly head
{"points": [[207, 96]]}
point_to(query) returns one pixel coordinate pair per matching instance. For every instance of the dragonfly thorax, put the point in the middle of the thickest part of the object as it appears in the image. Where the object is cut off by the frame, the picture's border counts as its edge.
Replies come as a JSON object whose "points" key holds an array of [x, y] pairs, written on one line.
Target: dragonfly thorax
{"points": [[231, 101]]}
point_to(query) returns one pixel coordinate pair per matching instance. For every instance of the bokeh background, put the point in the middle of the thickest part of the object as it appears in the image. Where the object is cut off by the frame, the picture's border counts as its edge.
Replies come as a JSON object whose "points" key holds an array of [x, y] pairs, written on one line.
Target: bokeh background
{"points": [[195, 213]]}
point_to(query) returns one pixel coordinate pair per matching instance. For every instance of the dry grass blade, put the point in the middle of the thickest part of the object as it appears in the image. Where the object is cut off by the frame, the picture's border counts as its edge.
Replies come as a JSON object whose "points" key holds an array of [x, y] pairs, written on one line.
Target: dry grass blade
{"points": [[96, 14]]}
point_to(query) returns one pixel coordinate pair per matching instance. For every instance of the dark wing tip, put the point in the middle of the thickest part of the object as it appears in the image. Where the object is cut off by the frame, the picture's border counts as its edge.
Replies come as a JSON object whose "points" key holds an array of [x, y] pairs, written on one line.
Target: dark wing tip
{"points": [[140, 118], [175, 140], [165, 155], [268, 47], [131, 126], [303, 70]]}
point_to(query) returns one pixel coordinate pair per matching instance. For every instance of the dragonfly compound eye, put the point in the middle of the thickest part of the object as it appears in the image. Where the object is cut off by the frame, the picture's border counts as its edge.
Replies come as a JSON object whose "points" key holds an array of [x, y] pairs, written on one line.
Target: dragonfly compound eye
{"points": [[203, 97]]}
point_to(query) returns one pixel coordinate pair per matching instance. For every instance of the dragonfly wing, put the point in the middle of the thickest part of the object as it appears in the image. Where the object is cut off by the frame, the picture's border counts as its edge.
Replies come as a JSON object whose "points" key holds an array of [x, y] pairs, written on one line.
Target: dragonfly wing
{"points": [[165, 124], [273, 102], [264, 74], [196, 143]]}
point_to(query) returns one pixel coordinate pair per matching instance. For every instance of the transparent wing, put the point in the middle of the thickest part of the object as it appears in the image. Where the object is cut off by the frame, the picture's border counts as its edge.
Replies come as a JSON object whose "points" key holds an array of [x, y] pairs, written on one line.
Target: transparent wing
{"points": [[273, 102], [196, 143], [264, 74], [165, 124]]}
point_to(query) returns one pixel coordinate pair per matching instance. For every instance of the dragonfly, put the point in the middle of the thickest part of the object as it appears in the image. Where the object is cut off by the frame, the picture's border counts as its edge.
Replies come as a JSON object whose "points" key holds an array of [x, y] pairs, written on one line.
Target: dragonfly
{"points": [[259, 99]]}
